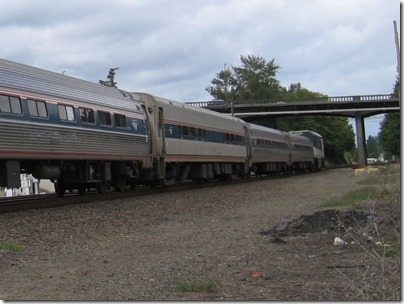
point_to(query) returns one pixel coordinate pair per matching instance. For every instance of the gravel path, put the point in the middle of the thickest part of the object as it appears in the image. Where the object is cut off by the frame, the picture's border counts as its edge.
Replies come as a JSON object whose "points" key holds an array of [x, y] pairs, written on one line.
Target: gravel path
{"points": [[145, 248]]}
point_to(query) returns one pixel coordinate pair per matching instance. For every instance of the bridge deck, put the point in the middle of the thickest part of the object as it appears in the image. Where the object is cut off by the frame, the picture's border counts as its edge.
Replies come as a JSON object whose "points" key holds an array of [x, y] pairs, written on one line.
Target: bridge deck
{"points": [[351, 106]]}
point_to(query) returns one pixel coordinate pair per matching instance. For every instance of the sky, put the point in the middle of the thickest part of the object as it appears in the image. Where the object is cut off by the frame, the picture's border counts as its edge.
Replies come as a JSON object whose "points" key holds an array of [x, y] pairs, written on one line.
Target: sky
{"points": [[174, 48]]}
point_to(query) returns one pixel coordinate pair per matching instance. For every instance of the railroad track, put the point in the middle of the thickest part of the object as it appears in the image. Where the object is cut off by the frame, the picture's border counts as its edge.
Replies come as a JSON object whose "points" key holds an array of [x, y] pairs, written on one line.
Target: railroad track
{"points": [[50, 200]]}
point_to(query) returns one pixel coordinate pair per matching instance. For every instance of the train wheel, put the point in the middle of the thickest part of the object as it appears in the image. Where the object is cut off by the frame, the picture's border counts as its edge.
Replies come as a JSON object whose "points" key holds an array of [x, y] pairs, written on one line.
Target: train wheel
{"points": [[60, 187], [81, 189], [101, 187], [120, 184]]}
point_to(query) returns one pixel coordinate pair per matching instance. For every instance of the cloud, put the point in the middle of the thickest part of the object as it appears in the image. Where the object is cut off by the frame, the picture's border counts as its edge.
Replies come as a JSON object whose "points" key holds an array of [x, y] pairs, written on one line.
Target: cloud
{"points": [[174, 48]]}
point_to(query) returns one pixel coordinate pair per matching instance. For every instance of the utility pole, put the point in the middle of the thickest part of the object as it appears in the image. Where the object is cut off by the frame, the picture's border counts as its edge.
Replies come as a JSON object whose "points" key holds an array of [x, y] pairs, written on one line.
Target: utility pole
{"points": [[397, 51], [225, 83]]}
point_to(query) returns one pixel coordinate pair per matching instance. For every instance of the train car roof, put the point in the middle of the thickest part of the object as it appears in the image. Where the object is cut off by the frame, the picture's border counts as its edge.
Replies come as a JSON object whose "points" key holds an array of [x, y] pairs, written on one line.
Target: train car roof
{"points": [[265, 129], [28, 79], [306, 131], [140, 96]]}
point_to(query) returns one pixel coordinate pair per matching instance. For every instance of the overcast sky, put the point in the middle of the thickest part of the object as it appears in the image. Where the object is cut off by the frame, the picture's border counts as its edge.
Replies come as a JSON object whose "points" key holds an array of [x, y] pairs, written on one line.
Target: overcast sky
{"points": [[174, 48]]}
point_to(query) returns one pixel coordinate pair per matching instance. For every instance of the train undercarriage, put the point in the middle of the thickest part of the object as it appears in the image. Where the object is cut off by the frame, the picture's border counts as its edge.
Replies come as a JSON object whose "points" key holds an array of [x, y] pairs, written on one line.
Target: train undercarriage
{"points": [[71, 176]]}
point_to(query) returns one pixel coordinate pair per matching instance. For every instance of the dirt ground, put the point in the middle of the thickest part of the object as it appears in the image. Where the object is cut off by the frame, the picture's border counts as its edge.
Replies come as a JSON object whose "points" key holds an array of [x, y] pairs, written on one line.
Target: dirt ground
{"points": [[263, 240]]}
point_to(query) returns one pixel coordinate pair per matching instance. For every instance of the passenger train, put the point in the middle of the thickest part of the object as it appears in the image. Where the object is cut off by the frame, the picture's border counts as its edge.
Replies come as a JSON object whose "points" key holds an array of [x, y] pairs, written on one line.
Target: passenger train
{"points": [[83, 136]]}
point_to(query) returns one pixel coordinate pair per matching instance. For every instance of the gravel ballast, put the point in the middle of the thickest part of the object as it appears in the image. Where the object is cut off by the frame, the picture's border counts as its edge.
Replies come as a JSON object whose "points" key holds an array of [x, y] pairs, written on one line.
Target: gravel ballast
{"points": [[147, 248]]}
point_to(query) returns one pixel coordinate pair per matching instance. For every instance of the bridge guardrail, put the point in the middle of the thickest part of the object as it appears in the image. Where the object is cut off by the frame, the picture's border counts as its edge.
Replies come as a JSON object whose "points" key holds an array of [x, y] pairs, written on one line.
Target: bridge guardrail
{"points": [[355, 98]]}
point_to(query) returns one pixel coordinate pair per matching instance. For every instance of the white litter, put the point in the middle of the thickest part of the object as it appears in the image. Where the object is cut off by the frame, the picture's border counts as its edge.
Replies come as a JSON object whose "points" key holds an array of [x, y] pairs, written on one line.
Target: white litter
{"points": [[339, 241]]}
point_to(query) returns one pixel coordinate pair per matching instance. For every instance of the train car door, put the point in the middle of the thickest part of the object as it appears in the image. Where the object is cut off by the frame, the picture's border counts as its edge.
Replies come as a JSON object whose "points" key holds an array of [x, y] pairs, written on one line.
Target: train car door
{"points": [[157, 147], [248, 146], [290, 148], [161, 150]]}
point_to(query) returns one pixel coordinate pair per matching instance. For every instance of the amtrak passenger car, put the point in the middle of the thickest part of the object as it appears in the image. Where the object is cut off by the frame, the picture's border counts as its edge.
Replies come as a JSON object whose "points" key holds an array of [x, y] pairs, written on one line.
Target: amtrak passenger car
{"points": [[74, 132], [83, 136], [196, 143], [318, 146]]}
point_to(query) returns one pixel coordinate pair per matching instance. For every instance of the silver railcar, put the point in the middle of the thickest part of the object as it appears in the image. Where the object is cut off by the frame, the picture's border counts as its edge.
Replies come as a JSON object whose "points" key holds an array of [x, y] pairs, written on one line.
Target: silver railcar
{"points": [[301, 151], [270, 150], [83, 135], [74, 132], [195, 143], [318, 146]]}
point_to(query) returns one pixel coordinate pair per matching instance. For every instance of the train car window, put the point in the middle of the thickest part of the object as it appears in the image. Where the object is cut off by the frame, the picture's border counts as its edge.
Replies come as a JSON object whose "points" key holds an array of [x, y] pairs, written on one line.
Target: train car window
{"points": [[120, 120], [192, 131], [62, 112], [10, 104], [185, 131], [105, 118], [15, 105], [70, 113], [5, 104], [201, 133], [87, 115], [66, 113], [33, 110], [37, 108]]}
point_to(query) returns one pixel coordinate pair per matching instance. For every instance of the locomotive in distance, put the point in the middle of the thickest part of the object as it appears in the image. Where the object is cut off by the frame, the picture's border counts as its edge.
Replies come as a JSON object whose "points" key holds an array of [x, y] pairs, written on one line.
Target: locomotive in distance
{"points": [[86, 136]]}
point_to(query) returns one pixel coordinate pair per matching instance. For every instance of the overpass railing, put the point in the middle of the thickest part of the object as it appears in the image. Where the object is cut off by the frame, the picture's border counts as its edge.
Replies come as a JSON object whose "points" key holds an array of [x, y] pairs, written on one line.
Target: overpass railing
{"points": [[357, 98]]}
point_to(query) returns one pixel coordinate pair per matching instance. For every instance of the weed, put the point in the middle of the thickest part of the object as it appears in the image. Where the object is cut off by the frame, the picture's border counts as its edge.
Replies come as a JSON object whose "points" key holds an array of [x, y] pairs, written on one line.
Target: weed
{"points": [[11, 247], [229, 218], [363, 194], [378, 180]]}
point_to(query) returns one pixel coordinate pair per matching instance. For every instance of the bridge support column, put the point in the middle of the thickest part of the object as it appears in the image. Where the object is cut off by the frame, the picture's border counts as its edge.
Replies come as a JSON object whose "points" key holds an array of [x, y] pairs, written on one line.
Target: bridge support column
{"points": [[360, 139]]}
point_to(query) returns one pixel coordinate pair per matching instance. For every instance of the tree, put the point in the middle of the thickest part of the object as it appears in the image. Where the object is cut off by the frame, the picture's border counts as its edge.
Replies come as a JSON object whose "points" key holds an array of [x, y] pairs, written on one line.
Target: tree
{"points": [[254, 79], [372, 147], [390, 133], [297, 91], [390, 129]]}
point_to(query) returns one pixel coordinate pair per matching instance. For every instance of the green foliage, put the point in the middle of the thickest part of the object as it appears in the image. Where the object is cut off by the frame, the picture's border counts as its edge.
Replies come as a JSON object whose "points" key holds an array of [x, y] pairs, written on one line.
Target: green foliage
{"points": [[229, 218], [297, 91], [254, 79], [353, 197], [390, 133], [390, 136], [11, 247], [379, 180], [386, 251], [373, 148]]}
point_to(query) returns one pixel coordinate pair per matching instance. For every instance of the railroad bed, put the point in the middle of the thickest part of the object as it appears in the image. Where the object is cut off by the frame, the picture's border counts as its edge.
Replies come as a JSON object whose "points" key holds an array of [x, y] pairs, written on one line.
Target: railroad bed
{"points": [[144, 248], [50, 199]]}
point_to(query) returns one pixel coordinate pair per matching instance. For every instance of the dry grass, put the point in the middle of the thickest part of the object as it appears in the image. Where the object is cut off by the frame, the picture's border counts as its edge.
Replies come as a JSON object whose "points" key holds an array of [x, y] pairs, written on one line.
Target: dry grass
{"points": [[380, 279]]}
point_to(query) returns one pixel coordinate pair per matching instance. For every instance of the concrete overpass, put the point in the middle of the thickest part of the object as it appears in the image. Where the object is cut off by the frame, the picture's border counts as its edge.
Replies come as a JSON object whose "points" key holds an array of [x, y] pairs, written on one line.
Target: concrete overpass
{"points": [[267, 110]]}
